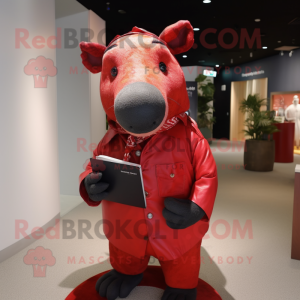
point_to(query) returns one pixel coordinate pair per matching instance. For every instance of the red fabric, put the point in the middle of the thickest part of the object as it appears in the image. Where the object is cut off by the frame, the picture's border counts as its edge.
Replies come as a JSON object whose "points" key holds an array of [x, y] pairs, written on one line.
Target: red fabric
{"points": [[135, 63], [136, 30], [153, 276], [182, 151], [91, 55], [175, 163], [179, 37], [181, 273]]}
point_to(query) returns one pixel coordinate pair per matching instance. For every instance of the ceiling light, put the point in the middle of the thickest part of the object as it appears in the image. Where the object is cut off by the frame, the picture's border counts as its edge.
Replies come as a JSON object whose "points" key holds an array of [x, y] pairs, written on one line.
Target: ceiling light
{"points": [[217, 66], [184, 56], [265, 47], [121, 11], [231, 60], [279, 42], [201, 61], [281, 53], [251, 54], [257, 20], [206, 1], [291, 54], [196, 29]]}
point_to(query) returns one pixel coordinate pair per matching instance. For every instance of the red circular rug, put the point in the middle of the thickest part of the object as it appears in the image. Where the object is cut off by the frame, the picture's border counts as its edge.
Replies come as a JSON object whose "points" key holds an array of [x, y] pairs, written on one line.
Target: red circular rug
{"points": [[153, 277]]}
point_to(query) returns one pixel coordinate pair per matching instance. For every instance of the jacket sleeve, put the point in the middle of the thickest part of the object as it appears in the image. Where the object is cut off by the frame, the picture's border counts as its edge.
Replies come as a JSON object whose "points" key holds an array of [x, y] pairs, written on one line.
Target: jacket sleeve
{"points": [[204, 189], [88, 170]]}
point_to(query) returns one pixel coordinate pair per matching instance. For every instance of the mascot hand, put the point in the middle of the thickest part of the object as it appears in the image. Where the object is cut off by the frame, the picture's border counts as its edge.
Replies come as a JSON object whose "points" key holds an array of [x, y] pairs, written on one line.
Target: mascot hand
{"points": [[181, 213], [94, 187]]}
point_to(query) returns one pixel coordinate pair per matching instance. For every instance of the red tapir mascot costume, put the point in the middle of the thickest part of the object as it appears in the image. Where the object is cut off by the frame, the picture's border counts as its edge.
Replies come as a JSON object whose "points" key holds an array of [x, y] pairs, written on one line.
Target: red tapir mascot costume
{"points": [[144, 95]]}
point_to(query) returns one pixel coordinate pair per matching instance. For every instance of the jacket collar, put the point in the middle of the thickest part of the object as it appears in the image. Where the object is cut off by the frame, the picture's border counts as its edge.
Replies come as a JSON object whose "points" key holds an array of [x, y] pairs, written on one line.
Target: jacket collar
{"points": [[177, 131]]}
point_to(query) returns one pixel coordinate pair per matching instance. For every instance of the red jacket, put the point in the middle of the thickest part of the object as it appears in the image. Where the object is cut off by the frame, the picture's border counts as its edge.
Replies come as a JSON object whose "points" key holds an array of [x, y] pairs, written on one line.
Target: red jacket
{"points": [[181, 151]]}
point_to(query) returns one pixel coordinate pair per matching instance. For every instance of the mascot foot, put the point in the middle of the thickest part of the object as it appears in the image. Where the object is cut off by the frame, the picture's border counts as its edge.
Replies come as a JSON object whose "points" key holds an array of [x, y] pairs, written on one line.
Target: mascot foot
{"points": [[179, 294], [114, 284]]}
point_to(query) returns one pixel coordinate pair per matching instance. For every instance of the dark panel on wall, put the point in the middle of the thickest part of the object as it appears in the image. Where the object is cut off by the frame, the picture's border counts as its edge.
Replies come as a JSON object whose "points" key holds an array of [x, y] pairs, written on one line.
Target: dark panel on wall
{"points": [[191, 87], [222, 106]]}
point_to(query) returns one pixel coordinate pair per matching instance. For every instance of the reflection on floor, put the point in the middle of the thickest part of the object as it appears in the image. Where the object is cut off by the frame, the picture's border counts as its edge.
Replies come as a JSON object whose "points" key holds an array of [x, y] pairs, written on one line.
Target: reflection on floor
{"points": [[242, 265]]}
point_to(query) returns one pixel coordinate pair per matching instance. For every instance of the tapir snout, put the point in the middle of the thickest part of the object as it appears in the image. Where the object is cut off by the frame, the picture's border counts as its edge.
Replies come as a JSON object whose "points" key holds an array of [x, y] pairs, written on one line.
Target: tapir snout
{"points": [[140, 107]]}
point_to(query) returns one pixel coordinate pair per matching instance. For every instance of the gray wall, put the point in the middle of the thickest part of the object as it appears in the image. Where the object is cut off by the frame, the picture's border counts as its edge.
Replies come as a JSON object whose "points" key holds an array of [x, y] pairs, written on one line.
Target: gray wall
{"points": [[81, 118], [73, 107]]}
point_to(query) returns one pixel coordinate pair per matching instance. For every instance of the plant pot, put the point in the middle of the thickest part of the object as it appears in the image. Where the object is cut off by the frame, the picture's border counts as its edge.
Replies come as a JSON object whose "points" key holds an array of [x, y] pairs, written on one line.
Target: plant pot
{"points": [[207, 134], [259, 155]]}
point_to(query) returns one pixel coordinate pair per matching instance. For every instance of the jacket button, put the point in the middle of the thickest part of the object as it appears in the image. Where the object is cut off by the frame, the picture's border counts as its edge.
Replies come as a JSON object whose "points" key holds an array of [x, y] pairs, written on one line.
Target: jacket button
{"points": [[150, 216], [146, 193], [172, 175], [138, 153]]}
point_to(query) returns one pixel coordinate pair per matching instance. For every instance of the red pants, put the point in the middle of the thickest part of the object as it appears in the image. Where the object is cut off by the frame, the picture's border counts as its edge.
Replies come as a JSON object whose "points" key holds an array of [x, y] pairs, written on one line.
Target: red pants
{"points": [[181, 273]]}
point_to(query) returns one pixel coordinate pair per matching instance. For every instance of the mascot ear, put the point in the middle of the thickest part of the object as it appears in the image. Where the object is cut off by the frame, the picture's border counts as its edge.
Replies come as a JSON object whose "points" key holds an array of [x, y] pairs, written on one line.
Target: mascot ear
{"points": [[91, 54], [179, 37]]}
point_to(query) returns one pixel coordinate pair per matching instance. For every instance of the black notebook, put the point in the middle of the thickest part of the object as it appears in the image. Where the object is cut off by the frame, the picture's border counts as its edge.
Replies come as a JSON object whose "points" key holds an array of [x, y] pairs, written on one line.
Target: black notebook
{"points": [[124, 178]]}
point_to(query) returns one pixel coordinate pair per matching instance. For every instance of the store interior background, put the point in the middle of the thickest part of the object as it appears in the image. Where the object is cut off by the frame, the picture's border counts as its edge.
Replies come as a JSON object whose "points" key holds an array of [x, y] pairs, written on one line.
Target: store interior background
{"points": [[52, 131], [282, 73]]}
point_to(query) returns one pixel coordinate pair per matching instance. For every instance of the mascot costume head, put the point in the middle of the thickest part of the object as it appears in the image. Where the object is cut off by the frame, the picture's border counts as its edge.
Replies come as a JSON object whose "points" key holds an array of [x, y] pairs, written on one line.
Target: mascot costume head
{"points": [[144, 95], [142, 84]]}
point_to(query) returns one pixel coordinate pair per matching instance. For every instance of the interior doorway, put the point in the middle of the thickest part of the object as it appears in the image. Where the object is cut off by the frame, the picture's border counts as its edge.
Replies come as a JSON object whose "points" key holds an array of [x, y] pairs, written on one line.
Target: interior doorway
{"points": [[239, 91]]}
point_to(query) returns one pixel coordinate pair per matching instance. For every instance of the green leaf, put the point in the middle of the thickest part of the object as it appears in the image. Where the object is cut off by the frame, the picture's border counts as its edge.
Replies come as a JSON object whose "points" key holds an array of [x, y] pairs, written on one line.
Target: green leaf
{"points": [[252, 103], [200, 78], [205, 96]]}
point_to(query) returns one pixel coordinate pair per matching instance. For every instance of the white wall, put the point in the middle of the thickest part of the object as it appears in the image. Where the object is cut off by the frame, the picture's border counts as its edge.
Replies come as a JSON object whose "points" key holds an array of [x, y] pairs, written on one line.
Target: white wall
{"points": [[98, 116], [73, 107], [80, 113], [29, 180]]}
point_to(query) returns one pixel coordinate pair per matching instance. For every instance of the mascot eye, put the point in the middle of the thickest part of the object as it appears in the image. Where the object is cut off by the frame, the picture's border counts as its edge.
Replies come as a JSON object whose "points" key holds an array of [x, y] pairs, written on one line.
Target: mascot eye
{"points": [[162, 67], [114, 71]]}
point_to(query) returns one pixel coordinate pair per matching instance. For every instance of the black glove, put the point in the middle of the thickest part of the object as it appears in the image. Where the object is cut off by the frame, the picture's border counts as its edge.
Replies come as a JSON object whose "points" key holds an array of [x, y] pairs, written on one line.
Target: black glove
{"points": [[94, 187], [181, 213]]}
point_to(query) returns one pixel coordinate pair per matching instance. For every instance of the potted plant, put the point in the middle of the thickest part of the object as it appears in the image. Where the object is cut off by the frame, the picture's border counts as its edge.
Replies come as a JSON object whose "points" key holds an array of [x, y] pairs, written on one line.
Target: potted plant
{"points": [[205, 119], [259, 153]]}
